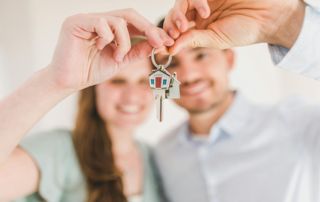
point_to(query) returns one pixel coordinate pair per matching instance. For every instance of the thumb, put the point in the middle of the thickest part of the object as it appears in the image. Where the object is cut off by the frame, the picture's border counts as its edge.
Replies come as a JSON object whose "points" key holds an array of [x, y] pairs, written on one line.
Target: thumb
{"points": [[198, 38]]}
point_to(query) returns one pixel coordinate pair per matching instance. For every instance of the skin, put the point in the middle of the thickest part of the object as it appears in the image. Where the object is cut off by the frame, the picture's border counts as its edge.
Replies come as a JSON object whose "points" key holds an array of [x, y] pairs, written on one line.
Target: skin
{"points": [[228, 23], [85, 55], [119, 99], [205, 90], [120, 105]]}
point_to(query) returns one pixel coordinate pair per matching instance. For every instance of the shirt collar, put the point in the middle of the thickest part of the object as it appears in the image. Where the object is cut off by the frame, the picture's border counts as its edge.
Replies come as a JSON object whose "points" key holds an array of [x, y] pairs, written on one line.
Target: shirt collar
{"points": [[235, 119]]}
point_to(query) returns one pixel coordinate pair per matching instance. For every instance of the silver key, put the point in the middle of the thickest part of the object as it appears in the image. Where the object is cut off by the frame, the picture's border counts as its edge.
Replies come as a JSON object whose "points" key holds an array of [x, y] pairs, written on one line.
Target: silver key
{"points": [[163, 84]]}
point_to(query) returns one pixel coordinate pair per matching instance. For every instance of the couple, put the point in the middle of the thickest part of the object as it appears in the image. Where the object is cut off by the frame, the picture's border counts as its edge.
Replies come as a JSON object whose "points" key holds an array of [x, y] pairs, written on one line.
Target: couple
{"points": [[229, 150]]}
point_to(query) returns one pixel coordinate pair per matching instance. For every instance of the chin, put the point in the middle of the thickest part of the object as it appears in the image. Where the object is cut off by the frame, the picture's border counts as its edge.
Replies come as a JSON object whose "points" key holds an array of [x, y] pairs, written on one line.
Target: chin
{"points": [[124, 125], [199, 109], [198, 105], [129, 121]]}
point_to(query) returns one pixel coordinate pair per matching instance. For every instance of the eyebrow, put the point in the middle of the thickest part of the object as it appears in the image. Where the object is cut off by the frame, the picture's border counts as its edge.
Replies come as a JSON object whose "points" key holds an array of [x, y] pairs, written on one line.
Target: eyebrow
{"points": [[196, 49]]}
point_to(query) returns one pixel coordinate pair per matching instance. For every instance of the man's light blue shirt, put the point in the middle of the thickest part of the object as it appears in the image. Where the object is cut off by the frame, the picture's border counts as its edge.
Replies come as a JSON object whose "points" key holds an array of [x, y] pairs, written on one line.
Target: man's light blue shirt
{"points": [[253, 154], [304, 56]]}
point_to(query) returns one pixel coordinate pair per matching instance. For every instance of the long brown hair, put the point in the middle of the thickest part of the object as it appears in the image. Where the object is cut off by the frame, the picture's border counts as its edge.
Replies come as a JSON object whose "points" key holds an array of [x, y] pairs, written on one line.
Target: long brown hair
{"points": [[94, 151]]}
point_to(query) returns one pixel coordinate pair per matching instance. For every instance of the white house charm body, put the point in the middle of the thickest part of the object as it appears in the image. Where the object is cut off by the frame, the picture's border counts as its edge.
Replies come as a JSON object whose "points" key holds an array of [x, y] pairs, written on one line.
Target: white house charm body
{"points": [[163, 84]]}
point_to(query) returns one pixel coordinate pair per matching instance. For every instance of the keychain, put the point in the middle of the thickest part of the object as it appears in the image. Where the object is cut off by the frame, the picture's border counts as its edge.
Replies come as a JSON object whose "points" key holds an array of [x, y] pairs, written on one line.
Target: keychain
{"points": [[163, 84]]}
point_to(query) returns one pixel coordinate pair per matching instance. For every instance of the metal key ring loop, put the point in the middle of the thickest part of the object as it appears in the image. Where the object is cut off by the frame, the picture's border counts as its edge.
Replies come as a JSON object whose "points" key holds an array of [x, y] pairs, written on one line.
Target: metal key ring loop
{"points": [[154, 62]]}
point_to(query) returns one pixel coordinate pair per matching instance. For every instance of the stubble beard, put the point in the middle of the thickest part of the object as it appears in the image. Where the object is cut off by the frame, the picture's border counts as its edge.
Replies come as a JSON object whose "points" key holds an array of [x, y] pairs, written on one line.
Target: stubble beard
{"points": [[212, 107]]}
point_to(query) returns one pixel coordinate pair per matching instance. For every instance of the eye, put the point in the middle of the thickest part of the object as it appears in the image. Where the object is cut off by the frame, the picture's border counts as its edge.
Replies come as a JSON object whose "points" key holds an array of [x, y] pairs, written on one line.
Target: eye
{"points": [[144, 81], [117, 81], [174, 63], [201, 56]]}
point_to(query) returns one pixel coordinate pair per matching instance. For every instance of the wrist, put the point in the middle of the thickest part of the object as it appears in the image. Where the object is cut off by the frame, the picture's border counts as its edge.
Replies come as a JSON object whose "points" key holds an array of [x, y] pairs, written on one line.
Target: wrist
{"points": [[289, 30], [50, 81]]}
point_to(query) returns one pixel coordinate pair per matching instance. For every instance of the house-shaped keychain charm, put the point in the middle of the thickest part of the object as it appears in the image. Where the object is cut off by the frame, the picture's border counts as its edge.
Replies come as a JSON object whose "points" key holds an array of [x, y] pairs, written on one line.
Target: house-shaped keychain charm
{"points": [[164, 86]]}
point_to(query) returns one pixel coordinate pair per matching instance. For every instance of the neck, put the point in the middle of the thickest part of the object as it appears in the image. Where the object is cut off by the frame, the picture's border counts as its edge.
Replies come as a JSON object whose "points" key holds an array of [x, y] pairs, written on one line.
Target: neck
{"points": [[201, 124], [122, 140]]}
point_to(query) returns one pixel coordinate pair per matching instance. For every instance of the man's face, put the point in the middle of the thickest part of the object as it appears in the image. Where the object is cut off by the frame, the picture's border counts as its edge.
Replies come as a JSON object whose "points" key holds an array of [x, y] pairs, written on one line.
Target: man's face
{"points": [[203, 73]]}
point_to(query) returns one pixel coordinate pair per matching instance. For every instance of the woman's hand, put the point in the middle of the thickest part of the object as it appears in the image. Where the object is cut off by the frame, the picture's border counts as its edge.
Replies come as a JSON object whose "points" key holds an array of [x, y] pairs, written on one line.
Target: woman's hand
{"points": [[92, 47], [227, 23]]}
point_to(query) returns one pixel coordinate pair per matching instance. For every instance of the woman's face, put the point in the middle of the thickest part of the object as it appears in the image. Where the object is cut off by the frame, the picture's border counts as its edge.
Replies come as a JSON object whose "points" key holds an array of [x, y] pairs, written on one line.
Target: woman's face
{"points": [[125, 100]]}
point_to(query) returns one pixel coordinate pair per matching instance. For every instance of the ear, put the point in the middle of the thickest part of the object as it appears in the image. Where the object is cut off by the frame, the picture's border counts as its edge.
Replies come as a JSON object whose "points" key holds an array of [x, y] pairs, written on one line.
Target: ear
{"points": [[230, 55]]}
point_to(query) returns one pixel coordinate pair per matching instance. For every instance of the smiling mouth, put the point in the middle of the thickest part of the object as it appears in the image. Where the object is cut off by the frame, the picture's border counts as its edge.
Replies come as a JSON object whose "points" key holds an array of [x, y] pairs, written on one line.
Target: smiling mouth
{"points": [[129, 109], [195, 88]]}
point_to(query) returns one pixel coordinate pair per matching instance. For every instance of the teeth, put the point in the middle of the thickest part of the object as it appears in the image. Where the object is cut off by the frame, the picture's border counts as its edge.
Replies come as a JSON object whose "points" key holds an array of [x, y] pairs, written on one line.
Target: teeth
{"points": [[129, 108], [195, 88]]}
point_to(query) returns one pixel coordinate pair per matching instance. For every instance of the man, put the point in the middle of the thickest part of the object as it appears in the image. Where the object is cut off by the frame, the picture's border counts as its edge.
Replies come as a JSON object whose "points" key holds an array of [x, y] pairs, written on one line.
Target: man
{"points": [[231, 149]]}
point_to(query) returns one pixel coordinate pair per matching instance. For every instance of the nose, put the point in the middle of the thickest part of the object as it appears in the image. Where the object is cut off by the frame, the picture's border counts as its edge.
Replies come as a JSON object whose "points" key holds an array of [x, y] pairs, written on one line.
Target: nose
{"points": [[188, 72], [133, 93]]}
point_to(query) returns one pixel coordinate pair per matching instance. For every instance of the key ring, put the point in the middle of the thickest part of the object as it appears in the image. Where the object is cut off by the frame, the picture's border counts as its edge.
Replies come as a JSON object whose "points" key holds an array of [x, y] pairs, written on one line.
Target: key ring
{"points": [[159, 66]]}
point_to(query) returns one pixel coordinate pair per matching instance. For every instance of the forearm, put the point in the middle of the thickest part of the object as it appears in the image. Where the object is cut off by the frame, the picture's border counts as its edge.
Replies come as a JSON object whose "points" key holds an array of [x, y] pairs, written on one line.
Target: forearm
{"points": [[289, 26], [24, 107]]}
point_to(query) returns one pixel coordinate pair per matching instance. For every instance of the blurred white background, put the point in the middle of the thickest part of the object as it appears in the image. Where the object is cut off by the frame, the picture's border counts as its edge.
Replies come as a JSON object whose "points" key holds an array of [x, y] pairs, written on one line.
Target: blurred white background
{"points": [[29, 30]]}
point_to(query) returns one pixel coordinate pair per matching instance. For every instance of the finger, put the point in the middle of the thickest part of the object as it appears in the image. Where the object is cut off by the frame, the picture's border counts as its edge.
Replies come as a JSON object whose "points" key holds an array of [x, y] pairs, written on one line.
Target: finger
{"points": [[162, 51], [165, 37], [153, 39], [157, 37], [81, 26], [154, 35], [88, 27], [181, 6], [104, 33], [140, 51], [178, 14], [198, 38], [202, 7], [134, 31], [122, 37], [170, 27], [180, 20]]}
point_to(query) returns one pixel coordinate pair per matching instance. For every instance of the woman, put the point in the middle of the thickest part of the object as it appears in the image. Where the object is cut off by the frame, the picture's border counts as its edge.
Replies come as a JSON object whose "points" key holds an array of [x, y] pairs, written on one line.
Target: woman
{"points": [[100, 161]]}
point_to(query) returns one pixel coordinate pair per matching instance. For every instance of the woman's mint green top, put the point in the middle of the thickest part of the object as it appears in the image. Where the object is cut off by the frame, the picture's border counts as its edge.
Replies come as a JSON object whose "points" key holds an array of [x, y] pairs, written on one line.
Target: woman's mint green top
{"points": [[61, 177]]}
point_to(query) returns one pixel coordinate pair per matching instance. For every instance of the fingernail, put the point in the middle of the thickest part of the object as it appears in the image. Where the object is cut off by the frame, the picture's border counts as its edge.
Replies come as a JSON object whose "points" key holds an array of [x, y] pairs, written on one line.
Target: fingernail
{"points": [[171, 32], [166, 40], [168, 43]]}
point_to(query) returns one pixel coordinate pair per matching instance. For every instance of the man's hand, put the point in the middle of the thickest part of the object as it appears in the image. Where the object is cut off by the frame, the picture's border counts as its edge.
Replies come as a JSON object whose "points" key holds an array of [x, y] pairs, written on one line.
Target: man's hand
{"points": [[227, 23], [92, 47]]}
